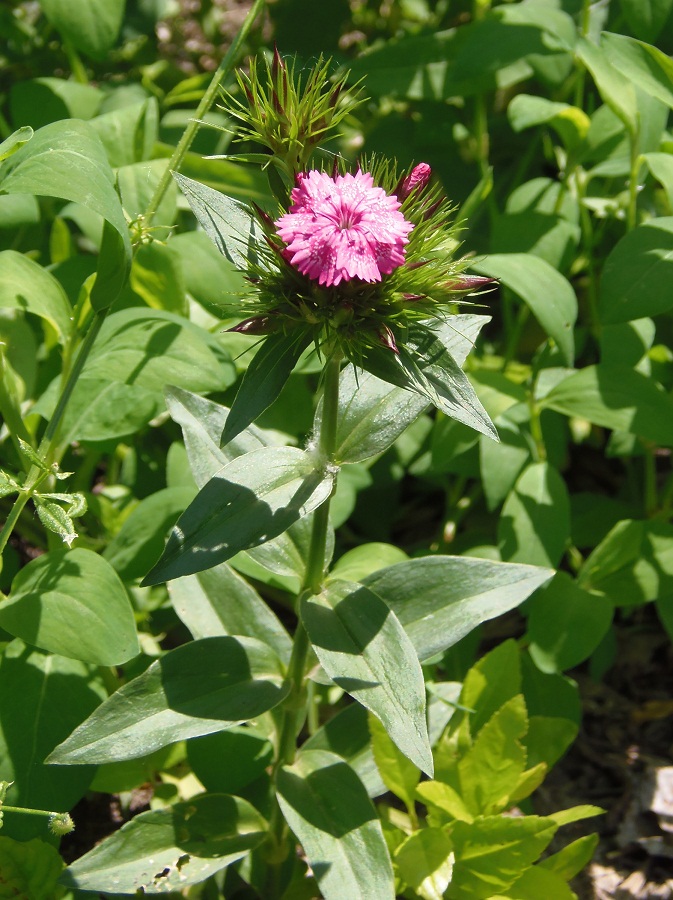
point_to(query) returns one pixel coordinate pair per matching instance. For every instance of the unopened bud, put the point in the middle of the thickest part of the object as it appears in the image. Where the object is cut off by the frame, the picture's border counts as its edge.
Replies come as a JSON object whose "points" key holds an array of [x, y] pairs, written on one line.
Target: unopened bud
{"points": [[416, 180], [387, 338], [469, 283], [412, 297], [253, 325]]}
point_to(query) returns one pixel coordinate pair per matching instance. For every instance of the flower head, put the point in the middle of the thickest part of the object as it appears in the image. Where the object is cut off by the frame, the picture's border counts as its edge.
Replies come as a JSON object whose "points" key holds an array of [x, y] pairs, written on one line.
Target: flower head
{"points": [[342, 228]]}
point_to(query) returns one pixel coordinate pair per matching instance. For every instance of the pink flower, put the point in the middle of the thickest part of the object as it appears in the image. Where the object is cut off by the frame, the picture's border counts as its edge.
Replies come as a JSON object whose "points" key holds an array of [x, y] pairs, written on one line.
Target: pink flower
{"points": [[342, 228]]}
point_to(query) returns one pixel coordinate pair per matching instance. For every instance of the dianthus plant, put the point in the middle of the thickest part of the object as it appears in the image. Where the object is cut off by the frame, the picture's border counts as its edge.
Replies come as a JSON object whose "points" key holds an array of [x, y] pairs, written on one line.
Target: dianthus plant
{"points": [[352, 270]]}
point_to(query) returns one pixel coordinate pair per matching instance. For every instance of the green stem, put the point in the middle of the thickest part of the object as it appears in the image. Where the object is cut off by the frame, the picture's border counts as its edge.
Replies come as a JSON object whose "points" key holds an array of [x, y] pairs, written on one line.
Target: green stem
{"points": [[536, 428], [632, 213], [76, 65], [293, 710], [587, 231], [585, 22], [185, 141], [650, 492]]}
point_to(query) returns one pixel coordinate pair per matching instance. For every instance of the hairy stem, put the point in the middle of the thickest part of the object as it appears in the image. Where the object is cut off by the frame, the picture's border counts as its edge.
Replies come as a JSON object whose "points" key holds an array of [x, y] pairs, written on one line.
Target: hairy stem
{"points": [[185, 141]]}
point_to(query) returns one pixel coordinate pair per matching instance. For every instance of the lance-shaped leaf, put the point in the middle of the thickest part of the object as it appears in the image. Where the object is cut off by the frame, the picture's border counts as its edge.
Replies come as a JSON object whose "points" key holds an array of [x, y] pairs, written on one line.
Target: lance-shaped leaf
{"points": [[374, 413], [251, 500], [364, 649], [26, 285], [199, 688], [440, 599], [264, 379], [425, 366], [167, 849], [328, 809], [229, 225]]}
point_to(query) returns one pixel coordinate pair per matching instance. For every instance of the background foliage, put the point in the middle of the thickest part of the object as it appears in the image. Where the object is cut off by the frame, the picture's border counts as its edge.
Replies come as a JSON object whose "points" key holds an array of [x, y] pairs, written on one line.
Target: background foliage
{"points": [[546, 122]]}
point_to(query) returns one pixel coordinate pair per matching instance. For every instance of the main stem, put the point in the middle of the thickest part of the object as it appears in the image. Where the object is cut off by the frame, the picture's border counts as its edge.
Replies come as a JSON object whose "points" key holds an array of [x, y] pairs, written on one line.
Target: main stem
{"points": [[294, 707]]}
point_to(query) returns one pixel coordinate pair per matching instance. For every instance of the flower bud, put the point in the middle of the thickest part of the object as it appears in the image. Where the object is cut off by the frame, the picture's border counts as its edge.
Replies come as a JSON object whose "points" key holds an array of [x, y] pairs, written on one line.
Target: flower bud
{"points": [[469, 283], [253, 325], [415, 180], [387, 338]]}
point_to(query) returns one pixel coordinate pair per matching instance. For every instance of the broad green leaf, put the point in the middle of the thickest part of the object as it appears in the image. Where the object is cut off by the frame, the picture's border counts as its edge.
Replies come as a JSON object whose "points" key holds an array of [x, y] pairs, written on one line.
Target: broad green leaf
{"points": [[167, 849], [25, 285], [140, 540], [425, 862], [613, 86], [490, 770], [129, 132], [327, 808], [151, 348], [633, 564], [636, 273], [474, 58], [254, 498], [545, 291], [566, 624], [209, 277], [641, 64], [548, 738], [91, 26], [43, 100], [15, 141], [570, 861], [219, 602], [227, 222], [347, 735], [493, 851], [661, 167], [491, 683], [527, 110], [646, 18], [501, 464], [534, 525], [72, 603], [440, 599], [575, 814], [537, 882], [423, 365], [374, 413], [156, 276], [444, 800], [264, 379], [627, 343], [399, 774], [199, 688], [137, 183], [230, 760], [43, 697], [57, 161], [28, 870], [616, 397], [364, 649], [366, 559]]}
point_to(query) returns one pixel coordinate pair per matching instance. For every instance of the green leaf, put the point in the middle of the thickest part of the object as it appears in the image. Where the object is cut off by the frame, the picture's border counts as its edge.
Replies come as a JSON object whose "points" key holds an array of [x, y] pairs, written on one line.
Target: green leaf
{"points": [[358, 563], [490, 770], [91, 26], [347, 735], [59, 159], [210, 277], [156, 276], [445, 800], [229, 760], [571, 123], [425, 862], [501, 464], [646, 18], [28, 870], [264, 379], [616, 397], [199, 688], [661, 167], [641, 64], [327, 808], [140, 540], [613, 86], [440, 599], [56, 519], [15, 141], [128, 132], [537, 882], [545, 291], [373, 413], [27, 286], [566, 624], [167, 849], [251, 500], [42, 698], [576, 814], [570, 861], [423, 365], [227, 222], [534, 525], [364, 649], [492, 852], [399, 774], [219, 602], [137, 183], [72, 603], [548, 738], [636, 273]]}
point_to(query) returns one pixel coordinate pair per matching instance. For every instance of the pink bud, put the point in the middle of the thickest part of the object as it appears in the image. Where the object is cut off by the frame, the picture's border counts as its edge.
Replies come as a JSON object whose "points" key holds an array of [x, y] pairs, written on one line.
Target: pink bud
{"points": [[387, 338], [469, 283], [415, 180], [254, 325]]}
